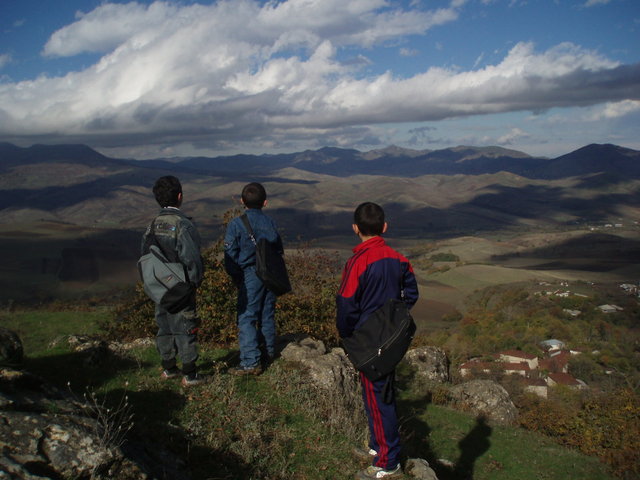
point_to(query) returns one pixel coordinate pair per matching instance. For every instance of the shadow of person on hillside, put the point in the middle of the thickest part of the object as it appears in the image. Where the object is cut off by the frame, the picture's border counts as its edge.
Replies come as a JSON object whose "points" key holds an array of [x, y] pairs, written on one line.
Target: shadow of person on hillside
{"points": [[415, 433], [472, 447], [413, 430], [79, 370]]}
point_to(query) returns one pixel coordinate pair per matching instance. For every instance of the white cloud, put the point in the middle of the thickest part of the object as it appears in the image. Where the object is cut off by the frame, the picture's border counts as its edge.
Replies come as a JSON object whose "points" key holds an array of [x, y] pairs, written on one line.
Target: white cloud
{"points": [[616, 110], [408, 52], [512, 137], [240, 71], [5, 58], [110, 25], [478, 60], [593, 3]]}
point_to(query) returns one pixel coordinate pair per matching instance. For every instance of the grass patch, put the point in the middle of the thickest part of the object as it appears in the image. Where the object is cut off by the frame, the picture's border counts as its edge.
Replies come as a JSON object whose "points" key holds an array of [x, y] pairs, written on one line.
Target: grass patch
{"points": [[275, 426], [491, 452]]}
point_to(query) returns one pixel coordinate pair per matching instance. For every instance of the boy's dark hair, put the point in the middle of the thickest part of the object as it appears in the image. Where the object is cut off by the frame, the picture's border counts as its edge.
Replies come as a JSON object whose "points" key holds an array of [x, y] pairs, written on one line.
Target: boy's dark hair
{"points": [[254, 195], [166, 190], [369, 217]]}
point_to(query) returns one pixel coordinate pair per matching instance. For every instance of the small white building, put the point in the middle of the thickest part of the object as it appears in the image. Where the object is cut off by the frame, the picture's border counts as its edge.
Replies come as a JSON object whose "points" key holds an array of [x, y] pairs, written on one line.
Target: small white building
{"points": [[566, 380], [610, 308], [517, 356], [537, 386]]}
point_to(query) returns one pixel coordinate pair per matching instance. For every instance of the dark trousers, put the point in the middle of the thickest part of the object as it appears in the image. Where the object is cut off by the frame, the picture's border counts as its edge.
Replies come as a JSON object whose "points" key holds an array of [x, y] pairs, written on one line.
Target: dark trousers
{"points": [[384, 436], [177, 336]]}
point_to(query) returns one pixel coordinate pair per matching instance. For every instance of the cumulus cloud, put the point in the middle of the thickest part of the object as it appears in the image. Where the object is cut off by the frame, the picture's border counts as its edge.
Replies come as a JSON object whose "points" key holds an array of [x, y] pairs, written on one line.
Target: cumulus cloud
{"points": [[512, 137], [616, 110], [110, 25], [242, 70]]}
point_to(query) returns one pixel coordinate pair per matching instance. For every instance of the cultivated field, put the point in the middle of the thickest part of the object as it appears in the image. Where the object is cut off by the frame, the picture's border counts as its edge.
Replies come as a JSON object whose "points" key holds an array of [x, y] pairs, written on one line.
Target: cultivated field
{"points": [[54, 260]]}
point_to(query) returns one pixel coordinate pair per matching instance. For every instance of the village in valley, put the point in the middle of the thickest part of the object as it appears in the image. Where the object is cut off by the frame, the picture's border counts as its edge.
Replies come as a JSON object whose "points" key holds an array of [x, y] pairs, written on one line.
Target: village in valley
{"points": [[538, 373], [551, 367]]}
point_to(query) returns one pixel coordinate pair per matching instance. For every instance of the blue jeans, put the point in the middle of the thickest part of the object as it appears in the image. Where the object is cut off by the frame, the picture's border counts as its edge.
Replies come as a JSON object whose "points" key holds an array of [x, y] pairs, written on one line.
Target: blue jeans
{"points": [[256, 320]]}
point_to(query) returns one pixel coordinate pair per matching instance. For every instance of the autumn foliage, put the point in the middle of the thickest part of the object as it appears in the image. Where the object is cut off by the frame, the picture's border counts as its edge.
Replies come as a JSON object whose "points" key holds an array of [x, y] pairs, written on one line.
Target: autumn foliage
{"points": [[309, 308]]}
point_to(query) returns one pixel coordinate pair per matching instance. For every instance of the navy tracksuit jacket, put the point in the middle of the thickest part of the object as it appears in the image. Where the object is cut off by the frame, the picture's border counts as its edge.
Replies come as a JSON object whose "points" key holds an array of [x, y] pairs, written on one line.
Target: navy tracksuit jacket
{"points": [[375, 273]]}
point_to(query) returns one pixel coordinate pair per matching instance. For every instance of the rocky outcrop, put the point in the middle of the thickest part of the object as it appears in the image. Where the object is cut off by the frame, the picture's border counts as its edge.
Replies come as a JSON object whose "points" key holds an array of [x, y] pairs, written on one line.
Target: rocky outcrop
{"points": [[96, 351], [328, 370], [419, 468], [11, 351], [486, 398], [47, 433], [333, 373], [430, 363]]}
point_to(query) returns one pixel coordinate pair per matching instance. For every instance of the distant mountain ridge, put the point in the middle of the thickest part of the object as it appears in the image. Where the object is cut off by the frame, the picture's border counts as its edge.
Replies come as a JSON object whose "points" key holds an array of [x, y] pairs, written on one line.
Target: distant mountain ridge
{"points": [[11, 155], [456, 189], [392, 161]]}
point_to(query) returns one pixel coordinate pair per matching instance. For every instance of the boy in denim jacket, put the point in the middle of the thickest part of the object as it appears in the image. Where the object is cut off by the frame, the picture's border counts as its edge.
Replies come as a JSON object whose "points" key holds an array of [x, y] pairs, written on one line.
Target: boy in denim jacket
{"points": [[256, 304]]}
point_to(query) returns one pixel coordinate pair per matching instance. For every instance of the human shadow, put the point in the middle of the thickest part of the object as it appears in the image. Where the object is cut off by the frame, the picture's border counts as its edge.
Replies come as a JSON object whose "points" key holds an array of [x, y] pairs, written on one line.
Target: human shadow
{"points": [[472, 447], [416, 432]]}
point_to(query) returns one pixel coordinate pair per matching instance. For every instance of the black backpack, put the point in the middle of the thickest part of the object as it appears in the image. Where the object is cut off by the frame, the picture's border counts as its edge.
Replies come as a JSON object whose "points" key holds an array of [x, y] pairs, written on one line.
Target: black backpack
{"points": [[378, 345], [270, 266]]}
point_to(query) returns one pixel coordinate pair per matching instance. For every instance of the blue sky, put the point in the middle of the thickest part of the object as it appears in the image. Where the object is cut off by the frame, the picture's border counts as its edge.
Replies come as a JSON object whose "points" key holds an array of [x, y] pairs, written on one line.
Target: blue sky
{"points": [[152, 79]]}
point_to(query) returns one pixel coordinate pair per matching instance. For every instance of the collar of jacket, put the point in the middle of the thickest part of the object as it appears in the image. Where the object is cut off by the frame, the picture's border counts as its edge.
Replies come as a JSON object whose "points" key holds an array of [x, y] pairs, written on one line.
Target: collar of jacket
{"points": [[371, 243], [173, 211]]}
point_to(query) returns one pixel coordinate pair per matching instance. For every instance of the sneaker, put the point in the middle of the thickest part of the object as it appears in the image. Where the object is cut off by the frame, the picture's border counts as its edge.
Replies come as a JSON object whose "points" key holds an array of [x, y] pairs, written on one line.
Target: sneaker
{"points": [[377, 472], [364, 453], [240, 370], [192, 380], [171, 373]]}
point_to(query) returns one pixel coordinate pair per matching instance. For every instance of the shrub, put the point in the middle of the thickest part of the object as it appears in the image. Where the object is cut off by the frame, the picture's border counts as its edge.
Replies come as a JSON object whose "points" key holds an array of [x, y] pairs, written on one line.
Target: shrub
{"points": [[444, 257], [309, 308], [604, 425]]}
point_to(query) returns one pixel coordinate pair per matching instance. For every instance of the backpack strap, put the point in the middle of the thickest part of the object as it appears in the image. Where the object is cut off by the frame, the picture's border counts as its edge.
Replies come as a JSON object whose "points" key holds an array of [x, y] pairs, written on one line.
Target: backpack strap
{"points": [[388, 391], [153, 240], [247, 225]]}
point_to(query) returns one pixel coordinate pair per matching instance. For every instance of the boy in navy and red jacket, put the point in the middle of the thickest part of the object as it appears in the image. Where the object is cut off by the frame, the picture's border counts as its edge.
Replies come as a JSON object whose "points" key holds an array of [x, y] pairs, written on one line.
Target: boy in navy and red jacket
{"points": [[374, 274]]}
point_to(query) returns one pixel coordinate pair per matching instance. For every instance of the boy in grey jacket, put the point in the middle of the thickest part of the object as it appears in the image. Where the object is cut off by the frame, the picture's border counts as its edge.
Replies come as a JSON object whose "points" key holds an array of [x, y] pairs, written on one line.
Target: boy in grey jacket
{"points": [[178, 238]]}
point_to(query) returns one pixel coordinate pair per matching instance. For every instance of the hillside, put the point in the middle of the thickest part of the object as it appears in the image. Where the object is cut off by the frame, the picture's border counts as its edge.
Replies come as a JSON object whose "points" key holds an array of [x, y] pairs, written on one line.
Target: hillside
{"points": [[70, 202], [443, 192]]}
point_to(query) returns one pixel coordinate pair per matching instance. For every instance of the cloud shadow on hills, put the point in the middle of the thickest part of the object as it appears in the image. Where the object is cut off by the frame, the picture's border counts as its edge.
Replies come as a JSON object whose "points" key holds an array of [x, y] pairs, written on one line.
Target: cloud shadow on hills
{"points": [[594, 251], [504, 207], [55, 197], [501, 207]]}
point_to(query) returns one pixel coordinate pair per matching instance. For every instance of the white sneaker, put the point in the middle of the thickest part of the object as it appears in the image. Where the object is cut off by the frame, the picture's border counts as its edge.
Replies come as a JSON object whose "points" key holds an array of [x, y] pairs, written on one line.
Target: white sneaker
{"points": [[376, 472], [364, 453]]}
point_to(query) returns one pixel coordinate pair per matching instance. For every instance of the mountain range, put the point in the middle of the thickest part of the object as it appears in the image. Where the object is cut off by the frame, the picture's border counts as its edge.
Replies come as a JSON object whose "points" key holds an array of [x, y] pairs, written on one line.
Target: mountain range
{"points": [[392, 161], [426, 192]]}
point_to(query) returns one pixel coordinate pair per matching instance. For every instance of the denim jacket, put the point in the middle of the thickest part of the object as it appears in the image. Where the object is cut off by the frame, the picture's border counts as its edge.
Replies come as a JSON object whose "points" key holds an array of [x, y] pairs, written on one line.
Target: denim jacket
{"points": [[177, 237], [239, 250]]}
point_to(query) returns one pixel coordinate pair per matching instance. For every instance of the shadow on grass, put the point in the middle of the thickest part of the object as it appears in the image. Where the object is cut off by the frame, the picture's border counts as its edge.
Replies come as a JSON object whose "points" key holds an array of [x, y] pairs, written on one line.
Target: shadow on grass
{"points": [[210, 464], [472, 447], [416, 444], [157, 442], [79, 370]]}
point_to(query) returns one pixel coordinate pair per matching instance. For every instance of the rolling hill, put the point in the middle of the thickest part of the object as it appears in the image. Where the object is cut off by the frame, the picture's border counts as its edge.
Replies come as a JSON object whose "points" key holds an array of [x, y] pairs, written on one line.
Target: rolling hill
{"points": [[428, 192], [71, 200]]}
